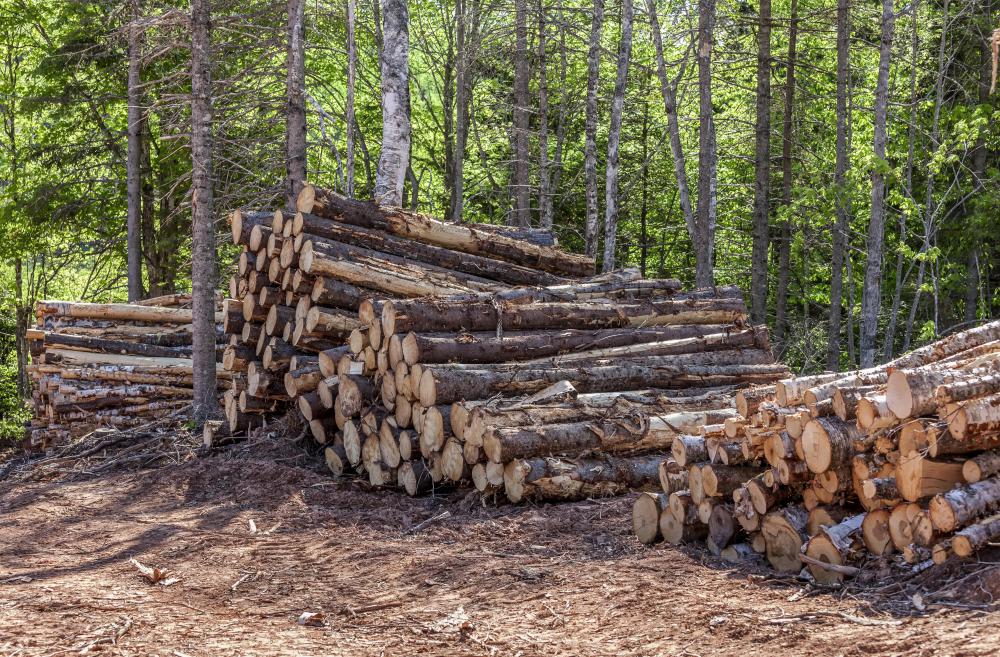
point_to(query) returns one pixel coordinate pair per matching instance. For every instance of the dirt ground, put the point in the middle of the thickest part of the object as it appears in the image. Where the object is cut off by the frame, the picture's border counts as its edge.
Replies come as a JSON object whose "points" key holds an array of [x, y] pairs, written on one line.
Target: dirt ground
{"points": [[564, 579]]}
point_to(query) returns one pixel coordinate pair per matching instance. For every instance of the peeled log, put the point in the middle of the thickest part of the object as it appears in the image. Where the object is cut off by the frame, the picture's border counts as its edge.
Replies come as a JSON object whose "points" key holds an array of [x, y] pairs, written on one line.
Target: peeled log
{"points": [[557, 479], [918, 477], [487, 347], [458, 237], [828, 442], [962, 505]]}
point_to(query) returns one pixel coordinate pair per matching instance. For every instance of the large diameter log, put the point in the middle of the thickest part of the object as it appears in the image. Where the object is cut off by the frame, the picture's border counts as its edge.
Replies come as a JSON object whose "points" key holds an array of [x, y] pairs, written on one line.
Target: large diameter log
{"points": [[976, 416], [875, 532], [487, 347], [425, 316], [498, 270], [962, 505], [918, 477], [440, 385], [912, 393], [676, 531], [828, 442], [458, 237], [557, 479]]}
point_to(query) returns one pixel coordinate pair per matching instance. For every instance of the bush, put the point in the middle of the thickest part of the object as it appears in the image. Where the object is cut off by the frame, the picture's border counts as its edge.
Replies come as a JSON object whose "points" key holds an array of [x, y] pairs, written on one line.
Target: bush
{"points": [[13, 411]]}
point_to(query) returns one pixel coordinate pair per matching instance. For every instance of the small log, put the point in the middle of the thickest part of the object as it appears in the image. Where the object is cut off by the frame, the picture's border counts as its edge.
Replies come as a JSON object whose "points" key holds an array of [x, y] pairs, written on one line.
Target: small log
{"points": [[646, 512]]}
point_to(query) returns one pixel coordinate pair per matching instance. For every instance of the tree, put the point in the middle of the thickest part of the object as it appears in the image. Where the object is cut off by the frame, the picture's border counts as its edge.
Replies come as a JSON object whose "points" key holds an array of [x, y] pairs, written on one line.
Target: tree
{"points": [[707, 156], [544, 195], [204, 270], [352, 73], [872, 292], [395, 156], [134, 158], [522, 191], [295, 86], [590, 139], [841, 202], [614, 138], [787, 126], [762, 166]]}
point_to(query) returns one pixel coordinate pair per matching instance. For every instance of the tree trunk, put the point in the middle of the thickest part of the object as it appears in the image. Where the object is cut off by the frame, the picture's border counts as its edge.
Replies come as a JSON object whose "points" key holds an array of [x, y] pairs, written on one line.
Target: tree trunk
{"points": [[561, 125], [843, 218], [614, 138], [590, 127], [521, 215], [204, 271], [762, 162], [465, 48], [134, 158], [705, 251], [872, 293], [395, 156], [555, 479], [544, 200], [785, 239], [352, 74], [669, 92], [295, 90]]}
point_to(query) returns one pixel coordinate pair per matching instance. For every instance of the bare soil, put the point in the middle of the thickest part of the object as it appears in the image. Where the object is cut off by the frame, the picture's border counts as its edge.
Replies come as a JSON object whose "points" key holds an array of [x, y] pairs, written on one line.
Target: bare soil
{"points": [[490, 579]]}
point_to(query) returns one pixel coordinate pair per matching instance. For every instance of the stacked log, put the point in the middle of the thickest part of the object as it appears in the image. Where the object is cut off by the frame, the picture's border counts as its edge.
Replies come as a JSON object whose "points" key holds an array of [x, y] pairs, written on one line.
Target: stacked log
{"points": [[835, 468], [108, 365]]}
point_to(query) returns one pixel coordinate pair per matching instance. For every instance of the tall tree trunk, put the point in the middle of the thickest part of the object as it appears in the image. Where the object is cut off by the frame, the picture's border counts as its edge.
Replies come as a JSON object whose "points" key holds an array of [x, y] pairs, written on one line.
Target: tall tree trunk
{"points": [[929, 205], [22, 315], [972, 276], [705, 253], [644, 180], [133, 173], [522, 192], [352, 77], [462, 60], [204, 273], [590, 127], [448, 80], [557, 157], [152, 253], [843, 219], [871, 295], [762, 166], [614, 138], [395, 156], [668, 90], [544, 194], [785, 238], [295, 90], [889, 343]]}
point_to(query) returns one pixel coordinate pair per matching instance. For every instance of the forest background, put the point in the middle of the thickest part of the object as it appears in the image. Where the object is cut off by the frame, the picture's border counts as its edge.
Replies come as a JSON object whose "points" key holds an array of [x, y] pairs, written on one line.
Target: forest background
{"points": [[542, 112]]}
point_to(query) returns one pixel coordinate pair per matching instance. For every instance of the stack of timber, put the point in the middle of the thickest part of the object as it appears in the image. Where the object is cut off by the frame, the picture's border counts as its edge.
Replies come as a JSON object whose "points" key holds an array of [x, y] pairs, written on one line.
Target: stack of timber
{"points": [[301, 281], [109, 365], [900, 461]]}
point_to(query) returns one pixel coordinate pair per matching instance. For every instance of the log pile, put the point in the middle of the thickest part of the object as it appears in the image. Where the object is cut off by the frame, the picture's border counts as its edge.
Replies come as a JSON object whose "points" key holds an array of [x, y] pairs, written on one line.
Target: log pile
{"points": [[826, 471], [108, 365], [302, 277], [423, 354]]}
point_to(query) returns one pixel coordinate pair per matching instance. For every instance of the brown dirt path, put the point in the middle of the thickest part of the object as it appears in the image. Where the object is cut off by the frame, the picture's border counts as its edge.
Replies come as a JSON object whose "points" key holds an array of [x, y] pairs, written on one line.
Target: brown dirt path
{"points": [[550, 580]]}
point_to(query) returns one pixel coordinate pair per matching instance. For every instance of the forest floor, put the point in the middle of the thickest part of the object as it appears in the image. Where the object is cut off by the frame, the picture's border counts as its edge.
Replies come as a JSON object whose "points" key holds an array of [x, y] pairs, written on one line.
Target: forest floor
{"points": [[255, 538]]}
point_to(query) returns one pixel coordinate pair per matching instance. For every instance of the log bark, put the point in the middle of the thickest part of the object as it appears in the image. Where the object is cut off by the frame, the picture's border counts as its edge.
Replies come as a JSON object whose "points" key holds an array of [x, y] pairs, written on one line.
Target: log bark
{"points": [[499, 270], [425, 316], [487, 347], [549, 479], [828, 442], [444, 386], [976, 536], [960, 506], [976, 416], [458, 237]]}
